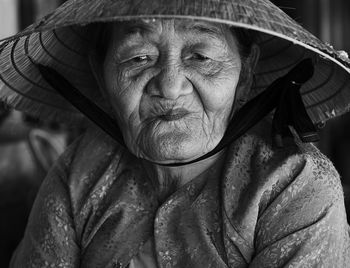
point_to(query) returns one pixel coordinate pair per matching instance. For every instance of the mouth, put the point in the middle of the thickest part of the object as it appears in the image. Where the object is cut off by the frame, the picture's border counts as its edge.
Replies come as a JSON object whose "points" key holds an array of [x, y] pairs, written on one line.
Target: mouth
{"points": [[174, 115]]}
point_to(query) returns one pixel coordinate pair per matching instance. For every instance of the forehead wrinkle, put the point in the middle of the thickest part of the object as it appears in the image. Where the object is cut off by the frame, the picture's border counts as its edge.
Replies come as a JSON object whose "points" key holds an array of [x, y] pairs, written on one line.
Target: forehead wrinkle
{"points": [[140, 27], [182, 26], [202, 28], [132, 32]]}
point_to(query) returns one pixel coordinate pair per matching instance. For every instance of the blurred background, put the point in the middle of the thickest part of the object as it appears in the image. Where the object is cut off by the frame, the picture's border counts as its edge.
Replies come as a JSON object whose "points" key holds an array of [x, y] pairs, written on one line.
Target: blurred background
{"points": [[28, 147]]}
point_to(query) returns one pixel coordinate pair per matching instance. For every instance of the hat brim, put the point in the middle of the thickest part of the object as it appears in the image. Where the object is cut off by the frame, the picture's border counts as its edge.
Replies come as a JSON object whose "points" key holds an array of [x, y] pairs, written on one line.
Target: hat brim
{"points": [[62, 40]]}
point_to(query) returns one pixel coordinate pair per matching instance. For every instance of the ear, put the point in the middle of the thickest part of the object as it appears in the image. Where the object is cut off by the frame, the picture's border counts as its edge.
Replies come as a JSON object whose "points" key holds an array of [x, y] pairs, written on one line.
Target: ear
{"points": [[246, 78], [248, 67], [254, 56], [96, 65]]}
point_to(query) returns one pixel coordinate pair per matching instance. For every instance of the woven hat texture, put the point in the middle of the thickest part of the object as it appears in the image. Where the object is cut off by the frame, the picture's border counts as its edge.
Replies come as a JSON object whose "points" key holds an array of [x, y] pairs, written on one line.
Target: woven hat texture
{"points": [[63, 38]]}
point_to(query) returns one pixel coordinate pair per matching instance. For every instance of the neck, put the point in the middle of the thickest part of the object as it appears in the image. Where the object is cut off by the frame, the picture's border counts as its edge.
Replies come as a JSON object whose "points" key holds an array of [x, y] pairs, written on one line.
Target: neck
{"points": [[168, 179]]}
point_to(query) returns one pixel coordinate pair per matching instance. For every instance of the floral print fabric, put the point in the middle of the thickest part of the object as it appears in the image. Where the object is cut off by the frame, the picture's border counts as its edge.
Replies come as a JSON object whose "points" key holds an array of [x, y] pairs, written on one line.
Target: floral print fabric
{"points": [[268, 208]]}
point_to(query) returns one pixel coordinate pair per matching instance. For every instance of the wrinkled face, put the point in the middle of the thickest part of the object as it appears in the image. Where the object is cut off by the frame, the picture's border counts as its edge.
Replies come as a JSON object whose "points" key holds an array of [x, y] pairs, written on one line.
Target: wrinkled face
{"points": [[171, 85]]}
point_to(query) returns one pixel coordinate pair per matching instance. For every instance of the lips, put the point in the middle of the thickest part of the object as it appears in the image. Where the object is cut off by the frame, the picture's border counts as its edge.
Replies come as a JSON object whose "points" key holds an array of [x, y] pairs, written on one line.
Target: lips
{"points": [[173, 115]]}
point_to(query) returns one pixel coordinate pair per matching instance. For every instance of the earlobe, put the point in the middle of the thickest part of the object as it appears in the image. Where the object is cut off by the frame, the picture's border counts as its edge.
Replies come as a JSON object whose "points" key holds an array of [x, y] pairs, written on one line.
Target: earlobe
{"points": [[254, 56], [250, 65], [96, 66], [246, 78]]}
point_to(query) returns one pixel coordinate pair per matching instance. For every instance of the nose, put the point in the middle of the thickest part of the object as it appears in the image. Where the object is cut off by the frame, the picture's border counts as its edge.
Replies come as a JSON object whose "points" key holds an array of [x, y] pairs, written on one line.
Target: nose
{"points": [[171, 83]]}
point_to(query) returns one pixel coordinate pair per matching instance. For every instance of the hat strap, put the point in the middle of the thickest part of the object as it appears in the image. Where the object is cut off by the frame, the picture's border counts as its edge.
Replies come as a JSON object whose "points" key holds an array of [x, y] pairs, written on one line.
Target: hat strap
{"points": [[283, 95], [82, 103]]}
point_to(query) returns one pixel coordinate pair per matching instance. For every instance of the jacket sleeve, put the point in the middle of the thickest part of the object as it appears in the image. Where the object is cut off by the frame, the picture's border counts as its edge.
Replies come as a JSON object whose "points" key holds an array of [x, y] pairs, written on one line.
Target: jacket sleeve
{"points": [[50, 239], [305, 225]]}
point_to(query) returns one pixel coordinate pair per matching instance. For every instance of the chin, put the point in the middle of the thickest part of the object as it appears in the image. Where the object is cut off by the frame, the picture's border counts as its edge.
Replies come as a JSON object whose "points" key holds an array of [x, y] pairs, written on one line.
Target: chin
{"points": [[173, 145], [174, 148]]}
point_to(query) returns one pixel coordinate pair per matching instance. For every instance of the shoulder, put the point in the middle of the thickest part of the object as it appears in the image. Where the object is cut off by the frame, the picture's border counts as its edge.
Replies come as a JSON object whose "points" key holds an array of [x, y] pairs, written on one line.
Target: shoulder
{"points": [[262, 176], [321, 172], [271, 192], [87, 153], [255, 155], [91, 165]]}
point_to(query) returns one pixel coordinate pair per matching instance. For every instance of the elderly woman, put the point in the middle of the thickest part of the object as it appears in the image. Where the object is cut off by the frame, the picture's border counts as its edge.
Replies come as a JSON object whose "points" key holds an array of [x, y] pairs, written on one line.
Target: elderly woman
{"points": [[177, 184]]}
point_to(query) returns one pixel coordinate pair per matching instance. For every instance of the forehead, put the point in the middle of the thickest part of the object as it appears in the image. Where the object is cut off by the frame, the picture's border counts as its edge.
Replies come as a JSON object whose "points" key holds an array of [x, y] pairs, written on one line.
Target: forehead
{"points": [[178, 26]]}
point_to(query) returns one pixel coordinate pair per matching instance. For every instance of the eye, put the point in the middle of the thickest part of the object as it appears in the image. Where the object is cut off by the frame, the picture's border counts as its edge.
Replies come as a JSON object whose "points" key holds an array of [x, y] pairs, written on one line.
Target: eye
{"points": [[199, 57], [140, 59]]}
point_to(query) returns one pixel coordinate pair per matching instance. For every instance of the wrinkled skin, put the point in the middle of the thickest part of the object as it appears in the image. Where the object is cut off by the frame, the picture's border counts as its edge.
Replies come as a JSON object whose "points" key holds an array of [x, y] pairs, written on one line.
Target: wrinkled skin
{"points": [[171, 85]]}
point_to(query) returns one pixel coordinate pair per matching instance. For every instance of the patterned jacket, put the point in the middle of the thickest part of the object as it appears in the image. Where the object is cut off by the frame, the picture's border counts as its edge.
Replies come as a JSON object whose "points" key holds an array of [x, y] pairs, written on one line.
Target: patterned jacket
{"points": [[270, 207]]}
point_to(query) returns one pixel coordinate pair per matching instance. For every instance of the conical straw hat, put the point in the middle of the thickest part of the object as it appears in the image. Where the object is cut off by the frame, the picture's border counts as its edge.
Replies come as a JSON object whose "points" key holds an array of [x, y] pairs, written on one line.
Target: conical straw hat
{"points": [[62, 40]]}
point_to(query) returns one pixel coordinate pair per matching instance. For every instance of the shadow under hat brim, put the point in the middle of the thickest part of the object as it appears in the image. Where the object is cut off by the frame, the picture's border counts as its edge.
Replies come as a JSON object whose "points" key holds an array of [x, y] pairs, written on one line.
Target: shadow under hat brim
{"points": [[62, 40]]}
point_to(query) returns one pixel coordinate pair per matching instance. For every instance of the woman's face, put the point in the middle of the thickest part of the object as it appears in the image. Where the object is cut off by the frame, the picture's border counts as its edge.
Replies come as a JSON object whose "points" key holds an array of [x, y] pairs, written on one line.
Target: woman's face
{"points": [[171, 85]]}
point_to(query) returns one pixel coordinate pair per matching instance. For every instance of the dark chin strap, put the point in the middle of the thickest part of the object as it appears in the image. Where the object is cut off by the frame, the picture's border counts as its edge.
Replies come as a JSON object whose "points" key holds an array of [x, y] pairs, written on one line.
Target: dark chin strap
{"points": [[283, 95]]}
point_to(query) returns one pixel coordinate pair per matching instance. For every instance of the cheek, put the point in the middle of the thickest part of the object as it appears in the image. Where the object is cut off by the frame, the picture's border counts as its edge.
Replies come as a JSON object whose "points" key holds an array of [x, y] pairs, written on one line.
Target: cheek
{"points": [[217, 93], [126, 95], [123, 95]]}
